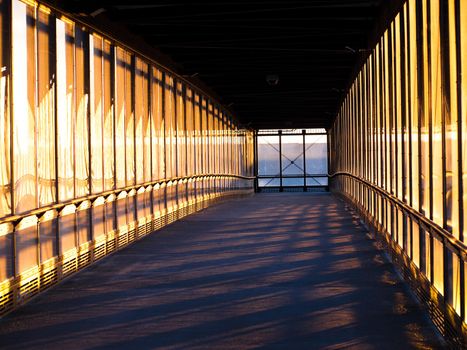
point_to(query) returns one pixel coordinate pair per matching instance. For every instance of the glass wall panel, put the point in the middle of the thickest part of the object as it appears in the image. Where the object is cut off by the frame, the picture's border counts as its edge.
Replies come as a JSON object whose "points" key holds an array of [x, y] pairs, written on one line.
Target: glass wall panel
{"points": [[414, 105], [292, 159], [379, 145], [140, 111], [463, 107], [190, 138], [230, 145], [108, 115], [438, 265], [65, 109], [6, 251], [83, 222], [436, 101], [222, 143], [269, 182], [405, 116], [313, 181], [24, 106], [198, 135], [268, 155], [204, 137], [215, 131], [210, 139], [157, 128], [451, 130], [316, 154], [235, 162], [5, 76], [416, 244], [398, 118], [425, 124], [218, 126], [170, 128], [66, 229], [181, 135], [81, 135], [120, 118], [45, 122], [147, 161], [387, 168], [454, 297], [97, 108], [129, 120], [26, 244]]}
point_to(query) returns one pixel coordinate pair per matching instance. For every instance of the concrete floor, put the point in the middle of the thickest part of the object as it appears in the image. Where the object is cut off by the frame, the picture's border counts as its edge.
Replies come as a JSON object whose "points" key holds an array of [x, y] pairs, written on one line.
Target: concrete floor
{"points": [[273, 271]]}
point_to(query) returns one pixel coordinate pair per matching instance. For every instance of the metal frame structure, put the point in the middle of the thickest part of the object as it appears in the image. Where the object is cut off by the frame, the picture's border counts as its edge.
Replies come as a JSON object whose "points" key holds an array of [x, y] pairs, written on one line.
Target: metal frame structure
{"points": [[281, 176], [101, 146], [397, 153]]}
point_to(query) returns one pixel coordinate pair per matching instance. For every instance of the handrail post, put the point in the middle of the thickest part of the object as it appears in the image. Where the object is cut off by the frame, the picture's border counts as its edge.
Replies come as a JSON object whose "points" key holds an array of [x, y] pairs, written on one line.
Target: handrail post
{"points": [[304, 160], [281, 189]]}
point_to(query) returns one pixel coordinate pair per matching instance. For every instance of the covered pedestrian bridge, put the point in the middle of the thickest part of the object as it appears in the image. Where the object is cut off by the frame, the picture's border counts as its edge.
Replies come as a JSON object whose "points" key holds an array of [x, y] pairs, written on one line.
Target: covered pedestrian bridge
{"points": [[244, 174]]}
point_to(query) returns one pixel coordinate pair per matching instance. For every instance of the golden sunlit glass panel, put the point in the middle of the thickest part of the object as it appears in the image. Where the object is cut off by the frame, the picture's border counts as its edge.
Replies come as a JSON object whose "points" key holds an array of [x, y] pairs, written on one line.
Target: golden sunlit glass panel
{"points": [[101, 147], [24, 107], [5, 76], [414, 110]]}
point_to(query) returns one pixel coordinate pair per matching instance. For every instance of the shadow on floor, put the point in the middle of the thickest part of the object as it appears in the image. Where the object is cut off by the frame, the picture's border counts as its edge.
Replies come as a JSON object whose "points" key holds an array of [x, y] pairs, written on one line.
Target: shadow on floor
{"points": [[274, 271]]}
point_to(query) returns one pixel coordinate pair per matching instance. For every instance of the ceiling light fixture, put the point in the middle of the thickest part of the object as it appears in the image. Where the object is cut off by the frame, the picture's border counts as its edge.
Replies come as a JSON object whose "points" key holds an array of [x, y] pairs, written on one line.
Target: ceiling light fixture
{"points": [[272, 79]]}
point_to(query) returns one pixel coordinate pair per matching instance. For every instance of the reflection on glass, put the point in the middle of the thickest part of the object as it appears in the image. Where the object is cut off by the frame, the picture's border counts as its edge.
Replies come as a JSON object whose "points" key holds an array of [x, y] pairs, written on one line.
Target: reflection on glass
{"points": [[268, 155], [415, 94], [90, 117], [24, 105], [292, 155], [81, 137], [5, 176], [316, 154], [65, 109], [299, 156]]}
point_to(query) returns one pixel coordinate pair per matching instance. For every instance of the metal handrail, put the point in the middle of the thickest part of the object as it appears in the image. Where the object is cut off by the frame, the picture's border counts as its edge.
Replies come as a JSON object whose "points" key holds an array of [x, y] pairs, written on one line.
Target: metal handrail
{"points": [[291, 176], [292, 134], [446, 235], [58, 206]]}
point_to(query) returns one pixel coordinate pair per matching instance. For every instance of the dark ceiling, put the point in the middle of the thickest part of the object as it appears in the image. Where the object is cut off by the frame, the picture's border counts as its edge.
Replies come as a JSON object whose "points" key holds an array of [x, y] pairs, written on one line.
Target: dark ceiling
{"points": [[313, 46]]}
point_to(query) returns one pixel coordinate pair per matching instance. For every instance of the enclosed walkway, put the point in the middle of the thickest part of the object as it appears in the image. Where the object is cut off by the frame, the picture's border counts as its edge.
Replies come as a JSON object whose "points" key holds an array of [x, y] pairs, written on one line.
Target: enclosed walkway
{"points": [[271, 271]]}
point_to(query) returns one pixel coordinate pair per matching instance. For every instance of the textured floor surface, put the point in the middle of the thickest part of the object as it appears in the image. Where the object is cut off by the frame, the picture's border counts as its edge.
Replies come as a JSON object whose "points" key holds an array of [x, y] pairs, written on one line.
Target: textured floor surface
{"points": [[273, 271]]}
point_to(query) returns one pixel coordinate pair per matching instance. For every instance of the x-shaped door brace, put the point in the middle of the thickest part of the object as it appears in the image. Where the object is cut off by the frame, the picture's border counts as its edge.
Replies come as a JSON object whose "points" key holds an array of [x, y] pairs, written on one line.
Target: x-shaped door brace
{"points": [[292, 162]]}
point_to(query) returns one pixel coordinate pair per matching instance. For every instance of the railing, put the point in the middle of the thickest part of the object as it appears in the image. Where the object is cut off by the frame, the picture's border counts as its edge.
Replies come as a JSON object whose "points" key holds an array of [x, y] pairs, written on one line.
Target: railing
{"points": [[43, 246], [429, 257], [292, 183]]}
